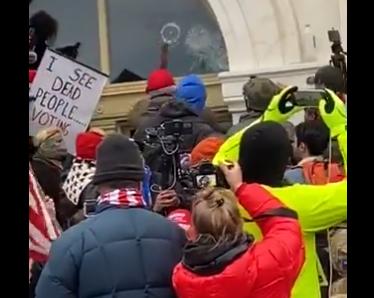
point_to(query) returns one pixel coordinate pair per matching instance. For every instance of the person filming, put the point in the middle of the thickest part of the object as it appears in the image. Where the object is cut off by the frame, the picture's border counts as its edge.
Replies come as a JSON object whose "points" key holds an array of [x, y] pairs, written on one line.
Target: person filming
{"points": [[223, 261]]}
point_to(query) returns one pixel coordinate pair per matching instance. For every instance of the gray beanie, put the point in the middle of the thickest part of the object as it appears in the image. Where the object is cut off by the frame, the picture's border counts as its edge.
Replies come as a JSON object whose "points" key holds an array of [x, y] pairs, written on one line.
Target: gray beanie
{"points": [[118, 158]]}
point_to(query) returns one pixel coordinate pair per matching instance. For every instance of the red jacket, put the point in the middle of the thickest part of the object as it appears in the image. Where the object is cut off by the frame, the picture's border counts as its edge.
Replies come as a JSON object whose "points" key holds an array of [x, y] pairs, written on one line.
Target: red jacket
{"points": [[267, 269]]}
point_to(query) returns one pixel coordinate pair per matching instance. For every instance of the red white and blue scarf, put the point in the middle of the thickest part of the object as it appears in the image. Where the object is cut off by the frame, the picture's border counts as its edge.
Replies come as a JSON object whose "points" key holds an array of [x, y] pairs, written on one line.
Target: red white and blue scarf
{"points": [[123, 198]]}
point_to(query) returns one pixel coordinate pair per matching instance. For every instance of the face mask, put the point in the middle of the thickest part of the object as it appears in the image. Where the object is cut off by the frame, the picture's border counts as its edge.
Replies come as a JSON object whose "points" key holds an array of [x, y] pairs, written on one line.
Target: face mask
{"points": [[53, 148]]}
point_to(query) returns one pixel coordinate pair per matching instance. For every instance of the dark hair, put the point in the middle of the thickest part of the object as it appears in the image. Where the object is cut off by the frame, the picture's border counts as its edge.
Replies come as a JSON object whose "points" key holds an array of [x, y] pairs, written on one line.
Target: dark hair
{"points": [[45, 25], [314, 134], [331, 77]]}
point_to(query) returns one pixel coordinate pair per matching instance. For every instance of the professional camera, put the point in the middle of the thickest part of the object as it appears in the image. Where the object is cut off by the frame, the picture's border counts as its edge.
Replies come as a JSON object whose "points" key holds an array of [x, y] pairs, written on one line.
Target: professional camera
{"points": [[162, 150], [177, 128], [168, 132], [338, 57]]}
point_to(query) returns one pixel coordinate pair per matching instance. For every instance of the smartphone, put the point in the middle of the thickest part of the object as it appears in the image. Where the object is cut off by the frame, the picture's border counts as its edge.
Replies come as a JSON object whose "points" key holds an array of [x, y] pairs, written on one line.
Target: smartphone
{"points": [[204, 181], [205, 176], [308, 98]]}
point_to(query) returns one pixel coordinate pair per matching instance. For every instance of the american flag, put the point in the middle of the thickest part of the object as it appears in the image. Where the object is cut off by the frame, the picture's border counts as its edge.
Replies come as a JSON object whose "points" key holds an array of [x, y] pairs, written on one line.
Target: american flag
{"points": [[42, 229]]}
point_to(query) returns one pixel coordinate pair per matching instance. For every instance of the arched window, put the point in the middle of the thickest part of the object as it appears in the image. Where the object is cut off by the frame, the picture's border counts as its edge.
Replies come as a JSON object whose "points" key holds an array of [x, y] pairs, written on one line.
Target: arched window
{"points": [[137, 29], [77, 22], [123, 35]]}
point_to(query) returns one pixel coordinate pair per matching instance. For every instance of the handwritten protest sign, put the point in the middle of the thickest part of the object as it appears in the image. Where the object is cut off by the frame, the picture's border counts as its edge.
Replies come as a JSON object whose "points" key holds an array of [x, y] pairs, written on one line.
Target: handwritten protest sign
{"points": [[66, 94]]}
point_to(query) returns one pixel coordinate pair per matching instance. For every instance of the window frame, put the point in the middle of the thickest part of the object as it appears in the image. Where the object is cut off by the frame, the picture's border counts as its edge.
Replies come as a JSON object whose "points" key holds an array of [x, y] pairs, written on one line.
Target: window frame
{"points": [[105, 52]]}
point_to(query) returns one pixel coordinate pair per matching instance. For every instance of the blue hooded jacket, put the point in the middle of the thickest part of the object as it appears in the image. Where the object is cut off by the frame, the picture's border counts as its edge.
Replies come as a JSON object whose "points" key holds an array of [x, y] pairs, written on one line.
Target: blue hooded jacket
{"points": [[191, 90]]}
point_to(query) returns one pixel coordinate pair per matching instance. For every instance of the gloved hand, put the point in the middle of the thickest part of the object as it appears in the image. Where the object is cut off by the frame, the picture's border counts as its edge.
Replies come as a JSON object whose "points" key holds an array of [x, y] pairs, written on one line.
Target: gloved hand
{"points": [[282, 106], [332, 111]]}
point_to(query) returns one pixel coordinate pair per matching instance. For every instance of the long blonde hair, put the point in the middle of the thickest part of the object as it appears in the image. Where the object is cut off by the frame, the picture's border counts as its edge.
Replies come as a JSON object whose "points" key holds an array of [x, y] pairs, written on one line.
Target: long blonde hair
{"points": [[215, 212]]}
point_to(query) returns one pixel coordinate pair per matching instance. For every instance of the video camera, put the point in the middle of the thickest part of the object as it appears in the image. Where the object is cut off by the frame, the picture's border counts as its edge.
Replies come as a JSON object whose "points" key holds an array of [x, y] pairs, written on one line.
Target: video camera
{"points": [[168, 137], [165, 141], [338, 57], [168, 131]]}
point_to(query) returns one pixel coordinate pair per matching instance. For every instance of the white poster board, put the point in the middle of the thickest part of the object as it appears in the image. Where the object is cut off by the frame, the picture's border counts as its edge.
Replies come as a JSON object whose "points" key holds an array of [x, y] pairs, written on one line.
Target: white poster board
{"points": [[66, 94]]}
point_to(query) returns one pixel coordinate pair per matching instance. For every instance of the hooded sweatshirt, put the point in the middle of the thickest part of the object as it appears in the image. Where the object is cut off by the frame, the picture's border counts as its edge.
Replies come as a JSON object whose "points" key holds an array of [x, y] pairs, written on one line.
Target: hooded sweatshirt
{"points": [[191, 90], [174, 110], [258, 158]]}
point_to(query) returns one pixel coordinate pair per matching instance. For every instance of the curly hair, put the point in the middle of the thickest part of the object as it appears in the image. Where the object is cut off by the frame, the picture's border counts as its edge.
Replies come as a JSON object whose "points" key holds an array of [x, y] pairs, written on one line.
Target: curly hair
{"points": [[45, 25]]}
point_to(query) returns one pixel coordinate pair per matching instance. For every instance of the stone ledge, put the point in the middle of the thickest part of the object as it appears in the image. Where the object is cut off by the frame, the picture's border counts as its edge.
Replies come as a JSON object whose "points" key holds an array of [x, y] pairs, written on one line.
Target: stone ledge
{"points": [[270, 72]]}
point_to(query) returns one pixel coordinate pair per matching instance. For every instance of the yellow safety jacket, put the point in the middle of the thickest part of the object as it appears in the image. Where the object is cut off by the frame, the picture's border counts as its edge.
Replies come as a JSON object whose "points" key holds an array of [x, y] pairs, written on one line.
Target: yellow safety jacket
{"points": [[318, 207]]}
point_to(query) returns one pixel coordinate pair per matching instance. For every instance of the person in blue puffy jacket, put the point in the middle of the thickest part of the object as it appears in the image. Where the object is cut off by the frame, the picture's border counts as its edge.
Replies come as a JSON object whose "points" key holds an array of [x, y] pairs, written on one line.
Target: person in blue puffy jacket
{"points": [[122, 251]]}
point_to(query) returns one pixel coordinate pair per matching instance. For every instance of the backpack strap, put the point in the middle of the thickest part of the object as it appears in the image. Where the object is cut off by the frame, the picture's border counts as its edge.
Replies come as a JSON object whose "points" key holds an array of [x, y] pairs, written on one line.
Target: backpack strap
{"points": [[282, 212]]}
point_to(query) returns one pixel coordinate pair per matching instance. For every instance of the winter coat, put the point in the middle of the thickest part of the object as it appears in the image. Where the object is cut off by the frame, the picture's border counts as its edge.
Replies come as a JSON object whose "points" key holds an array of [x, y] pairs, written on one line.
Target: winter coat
{"points": [[319, 207], [49, 178], [66, 166], [244, 121], [174, 110], [266, 269], [146, 109], [122, 253], [36, 270]]}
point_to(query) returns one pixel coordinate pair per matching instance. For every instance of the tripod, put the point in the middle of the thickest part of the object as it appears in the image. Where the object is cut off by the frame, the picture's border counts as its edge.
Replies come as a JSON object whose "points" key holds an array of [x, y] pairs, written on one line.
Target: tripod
{"points": [[338, 60]]}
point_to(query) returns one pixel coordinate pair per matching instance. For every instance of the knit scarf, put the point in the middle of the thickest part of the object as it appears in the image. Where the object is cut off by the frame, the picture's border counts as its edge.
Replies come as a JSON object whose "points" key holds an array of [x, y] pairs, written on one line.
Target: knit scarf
{"points": [[122, 198]]}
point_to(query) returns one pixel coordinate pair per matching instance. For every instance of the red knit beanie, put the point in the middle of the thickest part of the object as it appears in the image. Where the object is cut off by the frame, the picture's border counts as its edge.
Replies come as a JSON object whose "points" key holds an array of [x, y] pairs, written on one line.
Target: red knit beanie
{"points": [[206, 150], [159, 79], [87, 143]]}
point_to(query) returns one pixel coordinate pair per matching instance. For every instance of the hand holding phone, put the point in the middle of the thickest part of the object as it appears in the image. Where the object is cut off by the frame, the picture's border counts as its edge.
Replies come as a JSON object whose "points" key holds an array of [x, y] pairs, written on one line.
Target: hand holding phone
{"points": [[233, 174], [308, 98]]}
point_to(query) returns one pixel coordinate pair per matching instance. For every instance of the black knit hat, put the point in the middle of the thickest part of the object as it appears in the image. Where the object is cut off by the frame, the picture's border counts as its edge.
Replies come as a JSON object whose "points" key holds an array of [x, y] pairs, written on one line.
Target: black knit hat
{"points": [[264, 153], [118, 158]]}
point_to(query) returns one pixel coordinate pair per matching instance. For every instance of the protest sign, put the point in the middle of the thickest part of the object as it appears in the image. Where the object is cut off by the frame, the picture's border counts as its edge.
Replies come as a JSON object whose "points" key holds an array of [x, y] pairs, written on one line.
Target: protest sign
{"points": [[66, 94]]}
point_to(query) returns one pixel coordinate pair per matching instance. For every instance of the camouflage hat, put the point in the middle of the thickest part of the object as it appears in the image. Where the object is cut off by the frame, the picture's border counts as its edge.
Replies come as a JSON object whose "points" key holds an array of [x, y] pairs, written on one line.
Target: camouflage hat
{"points": [[258, 93]]}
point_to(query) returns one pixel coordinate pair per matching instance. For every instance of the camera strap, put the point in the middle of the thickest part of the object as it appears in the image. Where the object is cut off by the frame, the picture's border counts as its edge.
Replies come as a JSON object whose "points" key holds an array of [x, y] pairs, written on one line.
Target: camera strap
{"points": [[282, 212]]}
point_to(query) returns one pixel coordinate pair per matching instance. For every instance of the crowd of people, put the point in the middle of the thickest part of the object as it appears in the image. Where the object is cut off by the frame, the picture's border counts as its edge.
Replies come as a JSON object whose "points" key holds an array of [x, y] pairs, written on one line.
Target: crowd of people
{"points": [[126, 217]]}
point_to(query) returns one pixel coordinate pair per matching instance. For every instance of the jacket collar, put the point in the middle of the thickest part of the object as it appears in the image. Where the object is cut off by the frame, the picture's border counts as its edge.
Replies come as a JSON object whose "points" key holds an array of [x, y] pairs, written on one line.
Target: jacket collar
{"points": [[206, 257]]}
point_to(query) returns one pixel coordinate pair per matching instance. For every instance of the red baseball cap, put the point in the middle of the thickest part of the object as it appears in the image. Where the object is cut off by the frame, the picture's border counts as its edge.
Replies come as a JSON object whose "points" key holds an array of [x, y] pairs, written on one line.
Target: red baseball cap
{"points": [[182, 218]]}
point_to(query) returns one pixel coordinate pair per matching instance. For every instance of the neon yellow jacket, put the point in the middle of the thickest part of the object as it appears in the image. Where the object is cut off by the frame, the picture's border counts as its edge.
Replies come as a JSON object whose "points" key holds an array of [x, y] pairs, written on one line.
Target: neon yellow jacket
{"points": [[318, 207]]}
